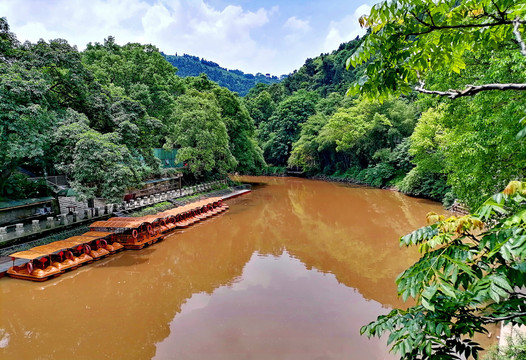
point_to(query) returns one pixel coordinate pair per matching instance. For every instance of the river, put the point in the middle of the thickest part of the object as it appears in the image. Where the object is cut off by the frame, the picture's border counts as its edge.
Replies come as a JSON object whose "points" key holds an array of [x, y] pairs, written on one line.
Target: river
{"points": [[291, 271]]}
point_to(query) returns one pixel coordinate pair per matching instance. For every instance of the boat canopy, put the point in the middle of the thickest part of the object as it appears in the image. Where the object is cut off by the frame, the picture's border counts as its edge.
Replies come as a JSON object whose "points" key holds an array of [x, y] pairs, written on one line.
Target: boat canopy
{"points": [[57, 246], [49, 249], [97, 234], [118, 226], [28, 255]]}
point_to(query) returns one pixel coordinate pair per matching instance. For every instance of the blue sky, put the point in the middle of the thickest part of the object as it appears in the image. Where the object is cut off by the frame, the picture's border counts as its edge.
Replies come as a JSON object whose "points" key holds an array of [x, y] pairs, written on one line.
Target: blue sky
{"points": [[267, 36]]}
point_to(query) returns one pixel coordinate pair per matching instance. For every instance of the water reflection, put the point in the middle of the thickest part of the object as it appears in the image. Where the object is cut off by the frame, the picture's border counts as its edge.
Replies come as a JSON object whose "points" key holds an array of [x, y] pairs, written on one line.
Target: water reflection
{"points": [[290, 271], [278, 310]]}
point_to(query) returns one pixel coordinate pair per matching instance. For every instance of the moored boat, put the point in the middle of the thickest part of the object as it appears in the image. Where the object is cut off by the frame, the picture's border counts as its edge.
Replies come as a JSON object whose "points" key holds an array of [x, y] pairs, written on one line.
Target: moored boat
{"points": [[132, 233], [38, 267], [106, 239]]}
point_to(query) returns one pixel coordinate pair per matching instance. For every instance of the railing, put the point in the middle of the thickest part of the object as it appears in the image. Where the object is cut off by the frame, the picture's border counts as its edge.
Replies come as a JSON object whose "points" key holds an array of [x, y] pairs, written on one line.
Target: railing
{"points": [[57, 180], [8, 233]]}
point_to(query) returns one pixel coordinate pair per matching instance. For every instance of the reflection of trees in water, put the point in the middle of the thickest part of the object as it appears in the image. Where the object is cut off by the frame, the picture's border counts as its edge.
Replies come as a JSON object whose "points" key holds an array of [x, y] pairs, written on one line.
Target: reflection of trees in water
{"points": [[352, 233]]}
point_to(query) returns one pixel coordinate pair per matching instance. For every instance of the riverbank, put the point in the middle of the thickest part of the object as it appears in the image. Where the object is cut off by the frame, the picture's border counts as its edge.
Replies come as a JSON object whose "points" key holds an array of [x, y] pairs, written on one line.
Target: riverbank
{"points": [[454, 207]]}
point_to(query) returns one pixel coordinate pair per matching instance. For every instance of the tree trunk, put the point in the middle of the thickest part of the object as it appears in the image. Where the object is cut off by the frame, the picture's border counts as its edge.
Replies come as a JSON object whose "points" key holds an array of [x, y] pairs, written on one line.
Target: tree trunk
{"points": [[4, 176]]}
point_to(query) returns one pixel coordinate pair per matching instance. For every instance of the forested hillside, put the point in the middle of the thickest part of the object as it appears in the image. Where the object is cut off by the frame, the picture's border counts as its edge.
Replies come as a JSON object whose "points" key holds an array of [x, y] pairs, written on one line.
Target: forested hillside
{"points": [[234, 80], [422, 145], [96, 116]]}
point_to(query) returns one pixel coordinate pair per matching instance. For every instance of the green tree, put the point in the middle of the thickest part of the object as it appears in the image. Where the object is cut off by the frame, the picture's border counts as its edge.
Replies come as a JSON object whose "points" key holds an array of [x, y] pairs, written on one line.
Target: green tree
{"points": [[470, 274], [472, 266], [410, 38], [306, 151], [25, 119], [98, 165], [261, 107], [366, 127], [241, 132], [200, 135], [283, 128]]}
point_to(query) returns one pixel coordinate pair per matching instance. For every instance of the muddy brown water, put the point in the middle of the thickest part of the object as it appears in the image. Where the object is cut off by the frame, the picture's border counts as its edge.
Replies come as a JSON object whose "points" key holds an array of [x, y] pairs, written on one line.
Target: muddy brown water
{"points": [[291, 271]]}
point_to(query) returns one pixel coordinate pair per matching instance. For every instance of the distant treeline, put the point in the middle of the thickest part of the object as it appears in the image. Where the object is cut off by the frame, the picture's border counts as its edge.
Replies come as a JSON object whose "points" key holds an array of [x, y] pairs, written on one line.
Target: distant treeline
{"points": [[234, 80]]}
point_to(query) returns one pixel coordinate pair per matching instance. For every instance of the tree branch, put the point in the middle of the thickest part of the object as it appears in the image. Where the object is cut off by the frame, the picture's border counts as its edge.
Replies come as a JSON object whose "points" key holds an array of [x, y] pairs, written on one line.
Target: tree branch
{"points": [[502, 15], [431, 17], [470, 90], [488, 320], [420, 20], [464, 26], [518, 35]]}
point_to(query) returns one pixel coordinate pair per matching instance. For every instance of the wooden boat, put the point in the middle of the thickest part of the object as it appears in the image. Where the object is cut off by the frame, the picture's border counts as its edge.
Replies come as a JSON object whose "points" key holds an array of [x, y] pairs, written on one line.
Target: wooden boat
{"points": [[38, 268], [107, 240], [89, 246], [76, 253], [132, 233]]}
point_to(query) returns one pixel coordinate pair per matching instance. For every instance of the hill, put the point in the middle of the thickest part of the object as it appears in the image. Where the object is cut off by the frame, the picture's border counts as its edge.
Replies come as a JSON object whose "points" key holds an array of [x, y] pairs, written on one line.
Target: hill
{"points": [[234, 80]]}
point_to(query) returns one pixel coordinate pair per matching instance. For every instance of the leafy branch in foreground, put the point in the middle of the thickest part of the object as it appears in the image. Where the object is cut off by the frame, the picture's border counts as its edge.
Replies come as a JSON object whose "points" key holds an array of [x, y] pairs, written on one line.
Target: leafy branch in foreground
{"points": [[471, 273], [409, 38]]}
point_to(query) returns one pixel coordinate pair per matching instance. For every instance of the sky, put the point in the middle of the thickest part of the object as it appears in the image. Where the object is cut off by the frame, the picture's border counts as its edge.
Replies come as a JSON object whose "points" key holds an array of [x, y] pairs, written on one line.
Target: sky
{"points": [[267, 36]]}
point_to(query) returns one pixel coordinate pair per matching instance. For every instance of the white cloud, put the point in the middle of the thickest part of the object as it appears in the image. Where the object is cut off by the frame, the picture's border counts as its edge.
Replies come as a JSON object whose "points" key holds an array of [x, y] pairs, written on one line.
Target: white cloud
{"points": [[294, 23], [223, 36], [346, 29], [267, 40], [193, 27]]}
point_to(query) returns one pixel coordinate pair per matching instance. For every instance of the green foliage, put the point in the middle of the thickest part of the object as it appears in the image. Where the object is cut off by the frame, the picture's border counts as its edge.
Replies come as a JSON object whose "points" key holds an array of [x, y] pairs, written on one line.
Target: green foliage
{"points": [[423, 183], [283, 128], [25, 117], [470, 274], [305, 152], [18, 187], [471, 141], [241, 132], [98, 166], [515, 350], [324, 74], [261, 106], [366, 133], [274, 170], [200, 136], [97, 115], [234, 80], [409, 38]]}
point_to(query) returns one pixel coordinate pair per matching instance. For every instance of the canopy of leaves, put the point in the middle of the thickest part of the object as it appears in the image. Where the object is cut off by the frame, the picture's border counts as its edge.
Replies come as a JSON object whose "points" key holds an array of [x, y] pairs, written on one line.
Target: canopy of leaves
{"points": [[282, 129], [97, 115], [200, 136], [473, 141], [409, 38]]}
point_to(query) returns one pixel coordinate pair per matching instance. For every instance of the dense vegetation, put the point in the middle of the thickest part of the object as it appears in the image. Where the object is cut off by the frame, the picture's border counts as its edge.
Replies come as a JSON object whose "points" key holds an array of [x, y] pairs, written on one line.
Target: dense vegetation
{"points": [[439, 148], [97, 115], [473, 268], [234, 80]]}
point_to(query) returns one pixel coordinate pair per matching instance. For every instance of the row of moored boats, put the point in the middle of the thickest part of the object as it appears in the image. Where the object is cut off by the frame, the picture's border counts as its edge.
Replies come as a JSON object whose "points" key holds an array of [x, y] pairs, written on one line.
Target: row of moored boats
{"points": [[108, 237]]}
